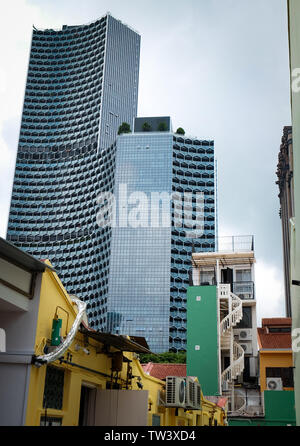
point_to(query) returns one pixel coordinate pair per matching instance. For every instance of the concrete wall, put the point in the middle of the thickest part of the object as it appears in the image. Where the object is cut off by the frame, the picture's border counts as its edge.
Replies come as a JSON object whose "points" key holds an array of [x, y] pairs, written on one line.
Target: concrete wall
{"points": [[294, 36], [14, 380], [121, 408], [15, 368], [20, 326]]}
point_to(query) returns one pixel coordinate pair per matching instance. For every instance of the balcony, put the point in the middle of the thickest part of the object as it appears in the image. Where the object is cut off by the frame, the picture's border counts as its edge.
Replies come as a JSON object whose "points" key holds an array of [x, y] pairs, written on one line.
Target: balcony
{"points": [[228, 244], [244, 290], [243, 243]]}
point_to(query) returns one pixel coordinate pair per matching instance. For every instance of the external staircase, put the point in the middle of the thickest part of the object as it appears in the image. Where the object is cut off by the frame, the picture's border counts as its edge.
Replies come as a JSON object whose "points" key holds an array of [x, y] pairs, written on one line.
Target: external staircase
{"points": [[231, 311]]}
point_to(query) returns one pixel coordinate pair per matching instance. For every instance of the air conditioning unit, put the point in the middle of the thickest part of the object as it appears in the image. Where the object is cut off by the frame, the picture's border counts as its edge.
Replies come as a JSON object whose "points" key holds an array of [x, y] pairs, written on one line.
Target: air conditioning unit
{"points": [[197, 393], [189, 393], [193, 394], [175, 391], [244, 334], [274, 383], [247, 348]]}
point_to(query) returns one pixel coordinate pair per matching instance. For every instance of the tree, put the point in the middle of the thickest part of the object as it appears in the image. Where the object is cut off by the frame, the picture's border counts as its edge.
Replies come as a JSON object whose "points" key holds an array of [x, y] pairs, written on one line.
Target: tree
{"points": [[162, 127], [124, 128], [180, 131], [166, 358], [147, 127]]}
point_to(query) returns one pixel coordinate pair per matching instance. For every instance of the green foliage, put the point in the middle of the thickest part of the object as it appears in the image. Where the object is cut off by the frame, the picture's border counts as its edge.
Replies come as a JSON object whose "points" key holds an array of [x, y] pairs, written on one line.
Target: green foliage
{"points": [[162, 127], [147, 127], [166, 358], [124, 128], [180, 131]]}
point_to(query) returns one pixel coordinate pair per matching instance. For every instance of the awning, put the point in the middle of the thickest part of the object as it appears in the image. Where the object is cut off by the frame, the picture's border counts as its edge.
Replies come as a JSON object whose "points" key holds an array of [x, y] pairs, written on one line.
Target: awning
{"points": [[209, 259], [140, 341], [119, 342]]}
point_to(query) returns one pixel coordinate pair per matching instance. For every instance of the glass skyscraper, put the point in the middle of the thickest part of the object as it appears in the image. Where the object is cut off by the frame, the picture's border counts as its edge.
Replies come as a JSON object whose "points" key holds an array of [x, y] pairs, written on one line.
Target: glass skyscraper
{"points": [[151, 256], [82, 83]]}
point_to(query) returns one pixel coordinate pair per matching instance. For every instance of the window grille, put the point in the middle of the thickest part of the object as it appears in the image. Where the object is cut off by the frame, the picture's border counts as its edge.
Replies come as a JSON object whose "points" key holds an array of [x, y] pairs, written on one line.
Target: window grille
{"points": [[54, 388]]}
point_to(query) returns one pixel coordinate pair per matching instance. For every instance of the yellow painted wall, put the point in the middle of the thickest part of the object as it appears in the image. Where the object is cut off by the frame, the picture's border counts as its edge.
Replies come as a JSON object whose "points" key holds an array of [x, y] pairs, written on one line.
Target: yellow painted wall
{"points": [[273, 358], [53, 295]]}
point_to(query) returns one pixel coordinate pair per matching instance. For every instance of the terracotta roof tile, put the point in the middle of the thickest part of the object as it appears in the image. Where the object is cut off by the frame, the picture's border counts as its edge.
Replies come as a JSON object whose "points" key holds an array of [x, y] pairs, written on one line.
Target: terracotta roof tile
{"points": [[275, 321], [273, 340], [161, 371]]}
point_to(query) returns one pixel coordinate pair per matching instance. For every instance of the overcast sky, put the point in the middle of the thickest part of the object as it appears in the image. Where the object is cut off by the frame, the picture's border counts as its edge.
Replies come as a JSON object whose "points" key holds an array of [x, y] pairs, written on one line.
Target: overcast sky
{"points": [[219, 68]]}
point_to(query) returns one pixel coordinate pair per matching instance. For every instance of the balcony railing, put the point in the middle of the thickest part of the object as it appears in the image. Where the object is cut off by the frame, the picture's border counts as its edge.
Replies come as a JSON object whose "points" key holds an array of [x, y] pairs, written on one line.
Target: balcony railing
{"points": [[240, 243], [244, 290]]}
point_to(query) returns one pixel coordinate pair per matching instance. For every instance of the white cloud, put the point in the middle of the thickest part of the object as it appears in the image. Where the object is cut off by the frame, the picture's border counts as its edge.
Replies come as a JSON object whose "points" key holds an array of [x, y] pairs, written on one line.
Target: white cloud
{"points": [[16, 20], [269, 291]]}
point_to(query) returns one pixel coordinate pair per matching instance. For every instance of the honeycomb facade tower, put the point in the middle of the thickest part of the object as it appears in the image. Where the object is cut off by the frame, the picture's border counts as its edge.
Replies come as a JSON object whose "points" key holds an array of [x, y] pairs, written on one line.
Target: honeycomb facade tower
{"points": [[82, 83], [159, 221]]}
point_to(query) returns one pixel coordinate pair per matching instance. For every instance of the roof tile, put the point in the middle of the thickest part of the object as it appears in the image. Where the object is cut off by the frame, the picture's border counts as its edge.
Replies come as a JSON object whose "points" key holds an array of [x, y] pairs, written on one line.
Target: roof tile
{"points": [[275, 321], [274, 340], [161, 371]]}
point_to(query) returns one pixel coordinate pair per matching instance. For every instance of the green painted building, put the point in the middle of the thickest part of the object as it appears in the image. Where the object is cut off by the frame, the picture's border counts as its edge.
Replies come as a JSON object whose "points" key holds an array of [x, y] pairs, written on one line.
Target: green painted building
{"points": [[202, 339]]}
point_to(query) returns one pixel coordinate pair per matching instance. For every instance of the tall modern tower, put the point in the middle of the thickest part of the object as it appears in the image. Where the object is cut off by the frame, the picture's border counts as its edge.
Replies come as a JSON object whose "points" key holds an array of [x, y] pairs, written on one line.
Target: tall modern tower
{"points": [[152, 244], [82, 83]]}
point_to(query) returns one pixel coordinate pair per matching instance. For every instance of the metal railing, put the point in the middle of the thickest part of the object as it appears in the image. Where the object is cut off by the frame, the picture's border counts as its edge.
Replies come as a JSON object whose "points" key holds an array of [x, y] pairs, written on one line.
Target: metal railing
{"points": [[234, 317], [244, 290], [236, 243], [237, 367], [240, 243]]}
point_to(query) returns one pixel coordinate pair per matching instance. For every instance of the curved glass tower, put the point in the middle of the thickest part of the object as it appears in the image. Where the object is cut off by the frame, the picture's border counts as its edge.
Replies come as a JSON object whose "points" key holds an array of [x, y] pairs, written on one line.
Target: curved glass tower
{"points": [[82, 83]]}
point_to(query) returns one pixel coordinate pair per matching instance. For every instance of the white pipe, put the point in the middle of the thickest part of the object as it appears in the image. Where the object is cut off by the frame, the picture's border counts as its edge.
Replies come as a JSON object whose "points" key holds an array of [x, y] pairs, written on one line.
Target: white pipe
{"points": [[60, 350]]}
